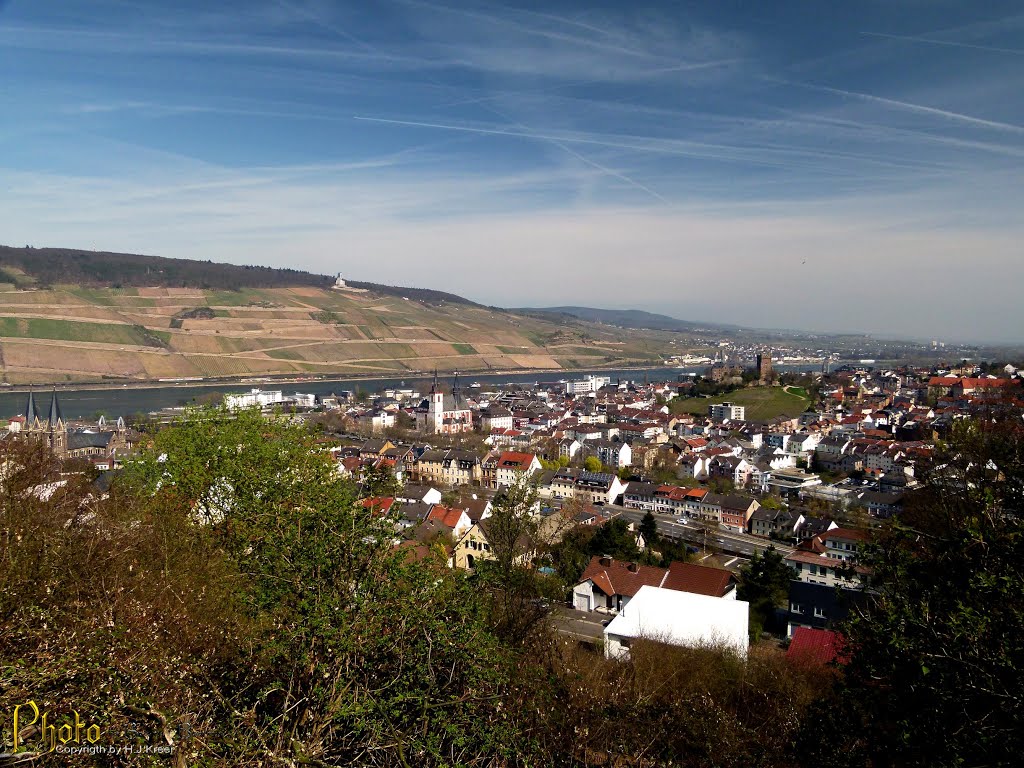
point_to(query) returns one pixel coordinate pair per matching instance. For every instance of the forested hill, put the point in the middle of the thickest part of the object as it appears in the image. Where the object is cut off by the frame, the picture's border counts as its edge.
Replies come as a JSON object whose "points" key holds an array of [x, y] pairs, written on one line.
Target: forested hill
{"points": [[624, 318], [43, 267], [423, 295]]}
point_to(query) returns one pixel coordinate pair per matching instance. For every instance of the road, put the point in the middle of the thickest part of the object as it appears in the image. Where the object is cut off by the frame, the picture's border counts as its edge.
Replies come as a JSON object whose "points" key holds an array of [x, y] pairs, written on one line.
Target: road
{"points": [[695, 532], [582, 625]]}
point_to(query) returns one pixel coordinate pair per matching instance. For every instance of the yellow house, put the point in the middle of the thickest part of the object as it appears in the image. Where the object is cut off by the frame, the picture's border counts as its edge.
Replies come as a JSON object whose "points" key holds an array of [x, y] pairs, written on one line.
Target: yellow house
{"points": [[474, 546]]}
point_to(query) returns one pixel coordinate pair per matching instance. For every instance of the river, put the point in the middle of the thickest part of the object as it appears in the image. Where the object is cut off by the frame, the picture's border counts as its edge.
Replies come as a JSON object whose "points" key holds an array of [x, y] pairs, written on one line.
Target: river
{"points": [[86, 403]]}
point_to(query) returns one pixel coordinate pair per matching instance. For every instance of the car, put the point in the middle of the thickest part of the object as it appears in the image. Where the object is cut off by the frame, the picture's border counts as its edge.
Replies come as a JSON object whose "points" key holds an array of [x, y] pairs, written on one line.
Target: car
{"points": [[542, 604]]}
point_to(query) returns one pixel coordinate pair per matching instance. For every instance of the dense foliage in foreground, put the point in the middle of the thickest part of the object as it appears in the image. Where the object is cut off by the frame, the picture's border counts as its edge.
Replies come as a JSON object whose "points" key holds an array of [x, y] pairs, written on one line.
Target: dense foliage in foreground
{"points": [[231, 598]]}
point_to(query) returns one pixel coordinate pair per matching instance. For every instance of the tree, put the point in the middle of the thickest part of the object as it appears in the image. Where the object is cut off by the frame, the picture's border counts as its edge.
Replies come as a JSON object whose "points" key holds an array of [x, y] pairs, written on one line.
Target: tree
{"points": [[649, 530], [615, 540], [764, 584], [379, 481], [324, 602], [592, 464], [513, 585], [934, 673]]}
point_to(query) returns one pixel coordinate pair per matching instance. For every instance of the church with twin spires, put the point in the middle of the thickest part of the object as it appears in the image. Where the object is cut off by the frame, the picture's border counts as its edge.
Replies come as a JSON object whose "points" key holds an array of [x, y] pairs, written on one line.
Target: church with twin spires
{"points": [[444, 414], [100, 441]]}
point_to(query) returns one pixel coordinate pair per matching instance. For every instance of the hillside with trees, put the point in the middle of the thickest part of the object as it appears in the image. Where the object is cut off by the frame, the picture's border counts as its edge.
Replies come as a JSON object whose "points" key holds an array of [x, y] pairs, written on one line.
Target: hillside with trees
{"points": [[45, 267]]}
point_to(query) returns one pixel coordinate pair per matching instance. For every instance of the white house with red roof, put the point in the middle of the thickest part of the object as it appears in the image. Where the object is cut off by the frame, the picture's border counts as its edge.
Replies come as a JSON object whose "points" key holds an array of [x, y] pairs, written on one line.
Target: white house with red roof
{"points": [[511, 466]]}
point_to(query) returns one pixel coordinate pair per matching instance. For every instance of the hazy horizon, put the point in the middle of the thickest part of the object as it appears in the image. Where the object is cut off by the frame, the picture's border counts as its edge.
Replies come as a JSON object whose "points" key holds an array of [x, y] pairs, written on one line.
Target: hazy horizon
{"points": [[830, 169]]}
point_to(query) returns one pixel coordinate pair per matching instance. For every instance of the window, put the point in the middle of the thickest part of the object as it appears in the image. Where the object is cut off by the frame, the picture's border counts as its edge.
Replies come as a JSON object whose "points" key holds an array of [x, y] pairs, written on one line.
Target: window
{"points": [[819, 613], [796, 608]]}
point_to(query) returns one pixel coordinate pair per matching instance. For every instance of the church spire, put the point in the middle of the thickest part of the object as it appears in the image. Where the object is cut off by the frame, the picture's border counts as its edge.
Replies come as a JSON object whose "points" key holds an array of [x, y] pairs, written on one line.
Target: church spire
{"points": [[56, 419], [31, 411]]}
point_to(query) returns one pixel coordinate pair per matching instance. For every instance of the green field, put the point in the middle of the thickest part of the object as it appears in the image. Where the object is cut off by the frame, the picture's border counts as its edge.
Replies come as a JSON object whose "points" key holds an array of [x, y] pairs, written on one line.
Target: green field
{"points": [[762, 403], [68, 330], [464, 349]]}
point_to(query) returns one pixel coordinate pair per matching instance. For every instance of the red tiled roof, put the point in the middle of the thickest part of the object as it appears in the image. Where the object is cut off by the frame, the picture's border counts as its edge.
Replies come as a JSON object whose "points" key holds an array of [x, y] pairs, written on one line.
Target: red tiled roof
{"points": [[698, 579], [512, 460], [447, 516], [816, 647], [617, 579], [379, 504]]}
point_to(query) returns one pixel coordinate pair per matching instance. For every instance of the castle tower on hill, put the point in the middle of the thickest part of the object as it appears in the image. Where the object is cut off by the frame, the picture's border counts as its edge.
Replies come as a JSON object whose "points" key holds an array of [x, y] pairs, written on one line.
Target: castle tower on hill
{"points": [[764, 367]]}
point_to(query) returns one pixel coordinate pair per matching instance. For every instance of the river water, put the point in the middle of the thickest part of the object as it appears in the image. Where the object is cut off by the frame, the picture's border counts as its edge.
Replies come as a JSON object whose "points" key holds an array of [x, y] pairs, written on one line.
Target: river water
{"points": [[85, 403]]}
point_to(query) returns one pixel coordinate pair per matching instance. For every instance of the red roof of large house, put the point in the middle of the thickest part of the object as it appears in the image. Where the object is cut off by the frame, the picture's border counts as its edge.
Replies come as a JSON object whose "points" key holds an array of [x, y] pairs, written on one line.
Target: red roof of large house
{"points": [[513, 460], [699, 579], [614, 577]]}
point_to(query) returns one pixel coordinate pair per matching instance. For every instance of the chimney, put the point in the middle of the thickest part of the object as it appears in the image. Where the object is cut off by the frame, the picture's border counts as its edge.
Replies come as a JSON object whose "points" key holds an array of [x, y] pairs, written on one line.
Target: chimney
{"points": [[633, 567], [606, 561]]}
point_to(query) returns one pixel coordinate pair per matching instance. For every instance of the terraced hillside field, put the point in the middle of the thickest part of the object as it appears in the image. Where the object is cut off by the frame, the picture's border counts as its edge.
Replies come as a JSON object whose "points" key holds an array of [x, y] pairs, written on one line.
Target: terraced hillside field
{"points": [[73, 333]]}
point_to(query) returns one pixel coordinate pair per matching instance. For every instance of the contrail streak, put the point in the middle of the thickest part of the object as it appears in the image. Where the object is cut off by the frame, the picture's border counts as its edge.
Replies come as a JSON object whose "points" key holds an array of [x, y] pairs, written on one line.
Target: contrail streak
{"points": [[933, 41], [909, 106]]}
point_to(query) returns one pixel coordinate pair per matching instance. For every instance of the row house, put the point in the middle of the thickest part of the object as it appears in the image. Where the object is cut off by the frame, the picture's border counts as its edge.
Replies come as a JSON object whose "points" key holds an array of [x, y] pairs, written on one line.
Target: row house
{"points": [[737, 511], [509, 438], [449, 467], [587, 487], [640, 496], [775, 523], [508, 467], [670, 500]]}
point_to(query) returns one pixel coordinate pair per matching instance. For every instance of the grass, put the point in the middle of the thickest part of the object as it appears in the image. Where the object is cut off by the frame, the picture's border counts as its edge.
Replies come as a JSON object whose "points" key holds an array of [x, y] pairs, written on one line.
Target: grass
{"points": [[464, 349], [69, 330], [762, 403]]}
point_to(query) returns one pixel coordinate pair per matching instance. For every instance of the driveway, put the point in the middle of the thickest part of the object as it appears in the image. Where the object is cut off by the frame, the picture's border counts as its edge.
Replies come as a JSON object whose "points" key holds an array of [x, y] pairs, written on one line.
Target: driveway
{"points": [[583, 625]]}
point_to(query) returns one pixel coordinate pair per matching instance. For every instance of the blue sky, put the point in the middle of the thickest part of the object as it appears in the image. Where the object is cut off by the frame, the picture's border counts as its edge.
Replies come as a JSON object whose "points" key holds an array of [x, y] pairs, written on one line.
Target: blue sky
{"points": [[830, 166]]}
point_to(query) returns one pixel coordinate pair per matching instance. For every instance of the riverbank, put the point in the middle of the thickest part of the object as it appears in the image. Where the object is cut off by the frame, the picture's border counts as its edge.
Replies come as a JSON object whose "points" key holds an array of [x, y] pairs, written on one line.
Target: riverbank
{"points": [[279, 379]]}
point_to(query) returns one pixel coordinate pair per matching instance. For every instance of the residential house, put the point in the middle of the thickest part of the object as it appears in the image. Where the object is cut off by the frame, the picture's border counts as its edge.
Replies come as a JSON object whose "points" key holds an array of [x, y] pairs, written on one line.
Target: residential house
{"points": [[455, 520], [475, 545], [677, 618], [607, 585], [775, 523], [736, 512], [511, 466]]}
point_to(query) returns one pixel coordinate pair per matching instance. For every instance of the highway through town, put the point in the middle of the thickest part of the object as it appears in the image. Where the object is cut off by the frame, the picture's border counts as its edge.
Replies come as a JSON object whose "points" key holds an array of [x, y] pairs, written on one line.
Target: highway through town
{"points": [[703, 535]]}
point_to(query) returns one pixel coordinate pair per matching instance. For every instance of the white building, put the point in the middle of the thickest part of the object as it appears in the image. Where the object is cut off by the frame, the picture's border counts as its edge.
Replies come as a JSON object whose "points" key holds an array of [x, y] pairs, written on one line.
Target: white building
{"points": [[255, 397], [587, 385], [677, 618], [727, 412]]}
